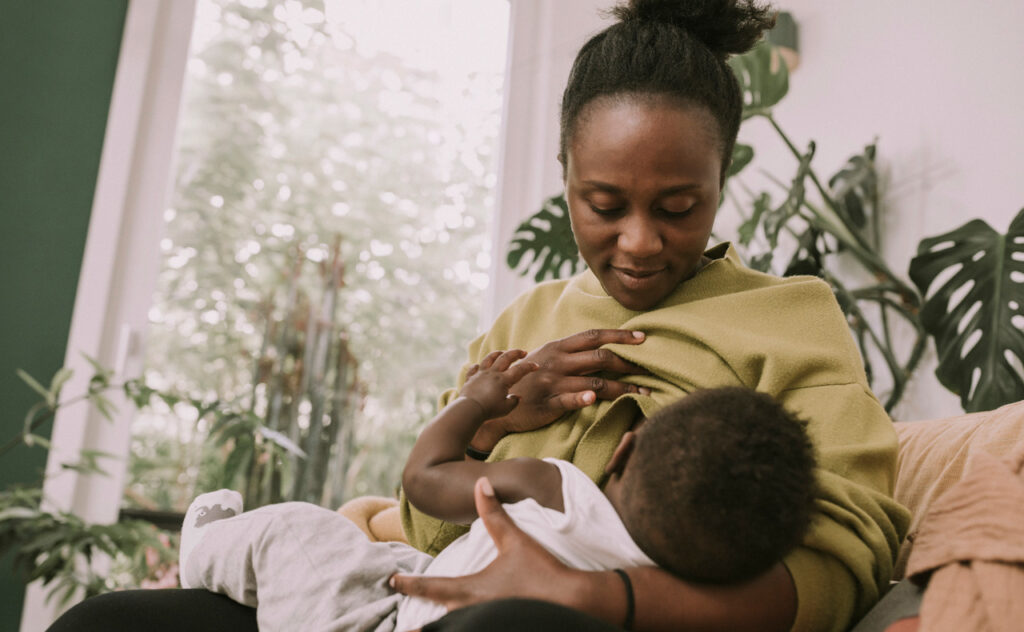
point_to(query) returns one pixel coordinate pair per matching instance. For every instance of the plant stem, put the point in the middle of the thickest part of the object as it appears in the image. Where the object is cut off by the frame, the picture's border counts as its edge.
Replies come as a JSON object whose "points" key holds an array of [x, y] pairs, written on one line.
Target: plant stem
{"points": [[51, 411]]}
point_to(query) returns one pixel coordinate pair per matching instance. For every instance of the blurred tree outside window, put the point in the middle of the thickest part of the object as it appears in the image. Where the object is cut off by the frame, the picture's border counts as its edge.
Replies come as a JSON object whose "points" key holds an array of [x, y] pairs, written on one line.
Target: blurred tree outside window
{"points": [[326, 252]]}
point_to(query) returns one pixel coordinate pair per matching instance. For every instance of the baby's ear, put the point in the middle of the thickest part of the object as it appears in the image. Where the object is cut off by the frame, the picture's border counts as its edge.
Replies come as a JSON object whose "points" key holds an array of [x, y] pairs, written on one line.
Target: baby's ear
{"points": [[622, 453]]}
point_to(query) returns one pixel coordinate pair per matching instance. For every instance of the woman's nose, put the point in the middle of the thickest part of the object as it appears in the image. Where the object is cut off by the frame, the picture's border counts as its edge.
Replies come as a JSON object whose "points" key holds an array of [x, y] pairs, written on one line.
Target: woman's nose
{"points": [[639, 237]]}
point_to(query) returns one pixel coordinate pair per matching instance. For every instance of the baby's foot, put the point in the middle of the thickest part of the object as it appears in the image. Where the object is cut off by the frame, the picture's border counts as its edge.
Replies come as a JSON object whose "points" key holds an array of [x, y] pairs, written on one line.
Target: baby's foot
{"points": [[206, 508]]}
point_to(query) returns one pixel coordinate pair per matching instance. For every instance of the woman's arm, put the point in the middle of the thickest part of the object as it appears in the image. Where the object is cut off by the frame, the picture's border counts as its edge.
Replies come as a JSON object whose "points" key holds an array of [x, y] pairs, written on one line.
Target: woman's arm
{"points": [[525, 569]]}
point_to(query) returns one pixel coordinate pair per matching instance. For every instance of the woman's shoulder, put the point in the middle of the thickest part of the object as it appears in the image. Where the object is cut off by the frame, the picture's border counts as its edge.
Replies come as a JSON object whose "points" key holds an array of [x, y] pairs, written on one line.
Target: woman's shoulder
{"points": [[727, 277]]}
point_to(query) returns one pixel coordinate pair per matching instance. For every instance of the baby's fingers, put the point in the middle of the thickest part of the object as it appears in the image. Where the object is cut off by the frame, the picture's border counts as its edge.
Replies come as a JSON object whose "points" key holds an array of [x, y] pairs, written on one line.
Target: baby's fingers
{"points": [[505, 359], [489, 359], [473, 370]]}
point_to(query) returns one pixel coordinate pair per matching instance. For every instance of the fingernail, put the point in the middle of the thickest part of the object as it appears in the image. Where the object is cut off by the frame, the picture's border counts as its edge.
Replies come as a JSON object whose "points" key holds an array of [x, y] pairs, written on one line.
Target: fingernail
{"points": [[589, 397], [391, 581], [644, 390], [485, 487], [639, 335]]}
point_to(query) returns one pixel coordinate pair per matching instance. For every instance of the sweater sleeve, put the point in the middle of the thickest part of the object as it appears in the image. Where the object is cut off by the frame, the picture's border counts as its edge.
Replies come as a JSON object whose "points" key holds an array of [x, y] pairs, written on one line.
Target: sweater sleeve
{"points": [[847, 557]]}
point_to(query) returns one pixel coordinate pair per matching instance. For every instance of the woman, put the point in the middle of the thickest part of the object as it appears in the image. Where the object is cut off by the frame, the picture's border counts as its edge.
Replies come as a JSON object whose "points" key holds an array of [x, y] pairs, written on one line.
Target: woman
{"points": [[645, 144], [649, 119]]}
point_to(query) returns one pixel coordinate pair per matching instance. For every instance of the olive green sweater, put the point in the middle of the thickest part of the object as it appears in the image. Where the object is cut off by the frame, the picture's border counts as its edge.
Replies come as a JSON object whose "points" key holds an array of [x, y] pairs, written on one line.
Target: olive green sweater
{"points": [[730, 326]]}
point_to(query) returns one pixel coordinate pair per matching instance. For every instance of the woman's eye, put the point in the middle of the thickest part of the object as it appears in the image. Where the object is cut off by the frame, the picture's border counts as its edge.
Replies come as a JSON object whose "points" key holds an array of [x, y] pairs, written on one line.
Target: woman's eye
{"points": [[605, 210], [677, 213]]}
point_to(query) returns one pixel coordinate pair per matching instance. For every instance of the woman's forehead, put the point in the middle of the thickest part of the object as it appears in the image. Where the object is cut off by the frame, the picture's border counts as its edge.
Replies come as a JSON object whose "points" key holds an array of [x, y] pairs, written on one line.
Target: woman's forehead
{"points": [[646, 138]]}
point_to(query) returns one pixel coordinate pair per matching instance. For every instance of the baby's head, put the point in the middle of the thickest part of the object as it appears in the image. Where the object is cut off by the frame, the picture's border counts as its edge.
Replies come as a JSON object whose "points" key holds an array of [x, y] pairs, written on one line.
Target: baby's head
{"points": [[717, 487]]}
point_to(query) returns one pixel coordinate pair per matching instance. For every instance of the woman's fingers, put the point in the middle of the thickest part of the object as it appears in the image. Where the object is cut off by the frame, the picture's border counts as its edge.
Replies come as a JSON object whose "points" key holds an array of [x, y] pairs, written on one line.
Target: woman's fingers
{"points": [[573, 401], [594, 338], [604, 388], [595, 360], [499, 525], [449, 591]]}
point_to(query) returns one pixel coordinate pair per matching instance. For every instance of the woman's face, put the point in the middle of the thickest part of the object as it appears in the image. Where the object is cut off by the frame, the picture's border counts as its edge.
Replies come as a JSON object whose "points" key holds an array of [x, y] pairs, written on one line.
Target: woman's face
{"points": [[642, 182]]}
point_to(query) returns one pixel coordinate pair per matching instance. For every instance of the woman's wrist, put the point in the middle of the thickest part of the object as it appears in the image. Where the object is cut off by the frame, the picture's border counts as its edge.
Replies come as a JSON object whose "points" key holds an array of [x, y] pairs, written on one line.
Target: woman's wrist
{"points": [[488, 435], [600, 594]]}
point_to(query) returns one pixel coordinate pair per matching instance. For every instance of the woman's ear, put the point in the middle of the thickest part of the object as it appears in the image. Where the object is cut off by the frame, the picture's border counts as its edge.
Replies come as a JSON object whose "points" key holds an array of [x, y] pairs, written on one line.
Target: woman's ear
{"points": [[622, 453]]}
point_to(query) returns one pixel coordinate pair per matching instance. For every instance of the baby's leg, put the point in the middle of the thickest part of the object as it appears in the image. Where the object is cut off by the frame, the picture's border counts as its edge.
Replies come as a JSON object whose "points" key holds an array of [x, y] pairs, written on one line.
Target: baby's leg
{"points": [[302, 566]]}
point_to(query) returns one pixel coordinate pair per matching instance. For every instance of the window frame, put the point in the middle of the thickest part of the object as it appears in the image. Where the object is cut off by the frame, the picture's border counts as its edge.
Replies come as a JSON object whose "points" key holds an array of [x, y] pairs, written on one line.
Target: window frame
{"points": [[120, 263]]}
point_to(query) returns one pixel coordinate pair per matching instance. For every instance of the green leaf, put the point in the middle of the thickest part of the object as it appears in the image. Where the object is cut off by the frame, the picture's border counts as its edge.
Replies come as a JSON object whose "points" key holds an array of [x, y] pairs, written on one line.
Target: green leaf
{"points": [[34, 439], [547, 238], [103, 405], [774, 220], [761, 262], [855, 190], [281, 440], [36, 386], [748, 229], [975, 315], [137, 391], [763, 78], [31, 420], [60, 378], [101, 376], [239, 458], [742, 155], [18, 513]]}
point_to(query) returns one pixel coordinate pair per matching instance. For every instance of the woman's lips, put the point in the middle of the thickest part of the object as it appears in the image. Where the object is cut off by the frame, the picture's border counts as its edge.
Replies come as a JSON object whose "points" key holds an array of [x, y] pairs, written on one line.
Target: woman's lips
{"points": [[637, 279]]}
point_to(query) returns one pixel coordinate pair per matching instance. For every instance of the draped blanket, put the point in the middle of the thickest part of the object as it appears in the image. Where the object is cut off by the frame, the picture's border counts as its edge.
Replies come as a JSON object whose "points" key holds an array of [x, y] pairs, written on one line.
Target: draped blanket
{"points": [[971, 546]]}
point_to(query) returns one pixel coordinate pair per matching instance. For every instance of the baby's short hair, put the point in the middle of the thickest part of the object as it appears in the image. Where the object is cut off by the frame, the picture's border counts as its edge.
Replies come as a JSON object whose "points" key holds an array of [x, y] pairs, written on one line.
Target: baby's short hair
{"points": [[720, 485]]}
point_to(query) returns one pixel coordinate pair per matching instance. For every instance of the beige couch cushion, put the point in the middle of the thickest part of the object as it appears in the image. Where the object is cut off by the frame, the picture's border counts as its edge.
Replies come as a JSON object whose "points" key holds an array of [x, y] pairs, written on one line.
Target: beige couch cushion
{"points": [[934, 454]]}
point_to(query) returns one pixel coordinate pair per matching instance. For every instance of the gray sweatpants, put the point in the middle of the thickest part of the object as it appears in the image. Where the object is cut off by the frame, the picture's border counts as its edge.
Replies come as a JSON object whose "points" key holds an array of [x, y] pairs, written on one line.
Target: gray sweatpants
{"points": [[302, 567]]}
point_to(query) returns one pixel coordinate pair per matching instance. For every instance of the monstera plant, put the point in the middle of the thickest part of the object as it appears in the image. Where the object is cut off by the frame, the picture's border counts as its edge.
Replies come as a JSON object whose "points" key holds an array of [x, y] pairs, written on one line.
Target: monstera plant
{"points": [[975, 316]]}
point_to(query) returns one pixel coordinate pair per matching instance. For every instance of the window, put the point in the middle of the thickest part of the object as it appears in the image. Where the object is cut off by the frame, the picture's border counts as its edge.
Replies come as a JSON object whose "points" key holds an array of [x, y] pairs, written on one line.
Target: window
{"points": [[325, 251]]}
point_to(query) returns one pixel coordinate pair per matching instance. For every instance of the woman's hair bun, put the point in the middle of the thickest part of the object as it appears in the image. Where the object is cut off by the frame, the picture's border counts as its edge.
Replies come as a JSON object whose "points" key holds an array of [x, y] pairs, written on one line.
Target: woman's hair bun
{"points": [[726, 27]]}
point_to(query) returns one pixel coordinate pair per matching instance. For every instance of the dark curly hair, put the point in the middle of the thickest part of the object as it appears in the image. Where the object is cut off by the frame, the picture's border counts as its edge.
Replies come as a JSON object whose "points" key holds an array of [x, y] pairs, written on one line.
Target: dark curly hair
{"points": [[720, 485], [674, 49]]}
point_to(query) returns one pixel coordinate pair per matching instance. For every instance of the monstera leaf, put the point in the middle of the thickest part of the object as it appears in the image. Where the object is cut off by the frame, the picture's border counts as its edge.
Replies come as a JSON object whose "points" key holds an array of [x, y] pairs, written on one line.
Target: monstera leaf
{"points": [[544, 245], [855, 191], [741, 157], [976, 315], [763, 78]]}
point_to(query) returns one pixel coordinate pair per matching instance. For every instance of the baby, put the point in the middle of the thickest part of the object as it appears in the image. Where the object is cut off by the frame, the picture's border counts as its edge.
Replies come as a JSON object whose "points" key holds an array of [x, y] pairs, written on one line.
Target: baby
{"points": [[715, 488]]}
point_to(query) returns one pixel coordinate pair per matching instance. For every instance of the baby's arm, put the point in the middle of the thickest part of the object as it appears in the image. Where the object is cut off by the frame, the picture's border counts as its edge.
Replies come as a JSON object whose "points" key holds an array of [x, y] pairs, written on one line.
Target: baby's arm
{"points": [[438, 478]]}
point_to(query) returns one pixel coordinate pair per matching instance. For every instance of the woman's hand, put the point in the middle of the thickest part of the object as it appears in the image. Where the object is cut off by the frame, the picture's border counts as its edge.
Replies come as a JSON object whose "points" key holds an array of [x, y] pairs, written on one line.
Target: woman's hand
{"points": [[525, 569], [514, 573], [564, 381]]}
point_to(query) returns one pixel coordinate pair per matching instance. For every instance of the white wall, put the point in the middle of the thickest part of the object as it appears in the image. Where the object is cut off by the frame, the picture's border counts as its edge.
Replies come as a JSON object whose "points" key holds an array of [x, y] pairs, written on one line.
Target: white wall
{"points": [[544, 37], [936, 81]]}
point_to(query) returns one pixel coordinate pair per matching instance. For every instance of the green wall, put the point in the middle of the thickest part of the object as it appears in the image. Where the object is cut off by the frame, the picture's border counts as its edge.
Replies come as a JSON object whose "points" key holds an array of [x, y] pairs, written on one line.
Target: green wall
{"points": [[57, 64]]}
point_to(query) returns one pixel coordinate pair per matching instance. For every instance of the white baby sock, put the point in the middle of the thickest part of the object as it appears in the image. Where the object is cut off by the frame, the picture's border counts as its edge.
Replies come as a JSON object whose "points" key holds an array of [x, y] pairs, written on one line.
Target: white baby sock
{"points": [[206, 508]]}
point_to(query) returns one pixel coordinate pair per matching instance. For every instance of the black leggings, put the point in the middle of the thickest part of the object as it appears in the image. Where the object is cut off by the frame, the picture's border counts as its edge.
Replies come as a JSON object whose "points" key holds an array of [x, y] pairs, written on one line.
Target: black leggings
{"points": [[198, 610]]}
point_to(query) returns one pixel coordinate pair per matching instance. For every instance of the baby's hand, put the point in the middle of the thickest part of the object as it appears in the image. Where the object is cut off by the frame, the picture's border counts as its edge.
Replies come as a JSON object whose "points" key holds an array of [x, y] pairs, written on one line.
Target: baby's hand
{"points": [[488, 383]]}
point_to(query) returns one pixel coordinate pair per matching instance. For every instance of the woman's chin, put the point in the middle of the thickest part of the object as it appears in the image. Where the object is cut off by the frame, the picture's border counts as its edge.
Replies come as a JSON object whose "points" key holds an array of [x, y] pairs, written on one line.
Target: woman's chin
{"points": [[636, 293]]}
